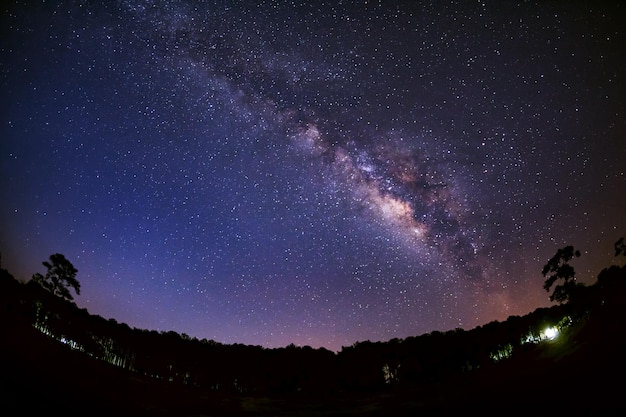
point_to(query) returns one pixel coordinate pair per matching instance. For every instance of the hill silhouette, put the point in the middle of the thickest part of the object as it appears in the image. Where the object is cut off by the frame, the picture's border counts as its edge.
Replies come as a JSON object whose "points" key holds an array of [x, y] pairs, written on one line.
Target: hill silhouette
{"points": [[57, 358]]}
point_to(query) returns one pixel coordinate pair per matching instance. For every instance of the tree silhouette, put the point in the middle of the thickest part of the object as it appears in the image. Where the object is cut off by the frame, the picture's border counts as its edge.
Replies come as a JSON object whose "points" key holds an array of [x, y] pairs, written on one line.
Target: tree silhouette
{"points": [[559, 268], [612, 280], [620, 247], [60, 277]]}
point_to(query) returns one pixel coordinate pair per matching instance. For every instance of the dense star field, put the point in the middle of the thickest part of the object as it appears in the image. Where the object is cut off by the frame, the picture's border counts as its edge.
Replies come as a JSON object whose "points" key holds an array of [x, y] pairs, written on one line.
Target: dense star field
{"points": [[314, 173]]}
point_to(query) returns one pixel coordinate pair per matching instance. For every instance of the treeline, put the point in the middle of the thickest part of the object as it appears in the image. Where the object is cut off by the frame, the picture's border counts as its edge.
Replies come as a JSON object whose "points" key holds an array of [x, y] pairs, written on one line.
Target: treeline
{"points": [[256, 370]]}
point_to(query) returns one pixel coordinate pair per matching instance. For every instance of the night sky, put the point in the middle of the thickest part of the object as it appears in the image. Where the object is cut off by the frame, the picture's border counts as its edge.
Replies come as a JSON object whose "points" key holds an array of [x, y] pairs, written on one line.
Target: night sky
{"points": [[269, 173]]}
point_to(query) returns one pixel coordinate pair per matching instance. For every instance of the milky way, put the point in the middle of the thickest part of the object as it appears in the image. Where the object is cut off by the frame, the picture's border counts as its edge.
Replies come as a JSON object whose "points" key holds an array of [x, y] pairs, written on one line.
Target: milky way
{"points": [[311, 173]]}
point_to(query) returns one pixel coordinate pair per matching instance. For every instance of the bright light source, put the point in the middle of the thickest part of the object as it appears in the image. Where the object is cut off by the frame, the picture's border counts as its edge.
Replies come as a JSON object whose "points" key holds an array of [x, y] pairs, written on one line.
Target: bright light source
{"points": [[550, 333]]}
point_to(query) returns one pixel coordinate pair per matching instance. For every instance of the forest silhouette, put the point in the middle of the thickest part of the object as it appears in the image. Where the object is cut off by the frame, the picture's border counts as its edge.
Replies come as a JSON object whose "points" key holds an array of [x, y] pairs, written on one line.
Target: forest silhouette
{"points": [[567, 359]]}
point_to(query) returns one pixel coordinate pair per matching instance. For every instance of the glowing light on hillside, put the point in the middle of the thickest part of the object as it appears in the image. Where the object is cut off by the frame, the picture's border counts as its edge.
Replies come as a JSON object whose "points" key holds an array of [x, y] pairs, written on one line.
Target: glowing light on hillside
{"points": [[550, 333]]}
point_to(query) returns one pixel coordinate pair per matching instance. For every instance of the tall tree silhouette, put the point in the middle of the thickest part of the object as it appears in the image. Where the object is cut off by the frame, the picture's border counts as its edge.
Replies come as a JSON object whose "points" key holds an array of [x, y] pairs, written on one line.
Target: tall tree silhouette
{"points": [[620, 247], [61, 276], [612, 280], [559, 268]]}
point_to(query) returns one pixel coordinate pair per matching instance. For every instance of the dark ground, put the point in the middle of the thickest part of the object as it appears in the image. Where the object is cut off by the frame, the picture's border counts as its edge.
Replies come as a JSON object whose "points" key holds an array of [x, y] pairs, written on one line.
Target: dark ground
{"points": [[584, 375]]}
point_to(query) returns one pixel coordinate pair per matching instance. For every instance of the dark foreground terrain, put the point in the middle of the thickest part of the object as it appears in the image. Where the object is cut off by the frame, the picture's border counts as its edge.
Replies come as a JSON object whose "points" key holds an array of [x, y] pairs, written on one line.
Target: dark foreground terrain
{"points": [[581, 374]]}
